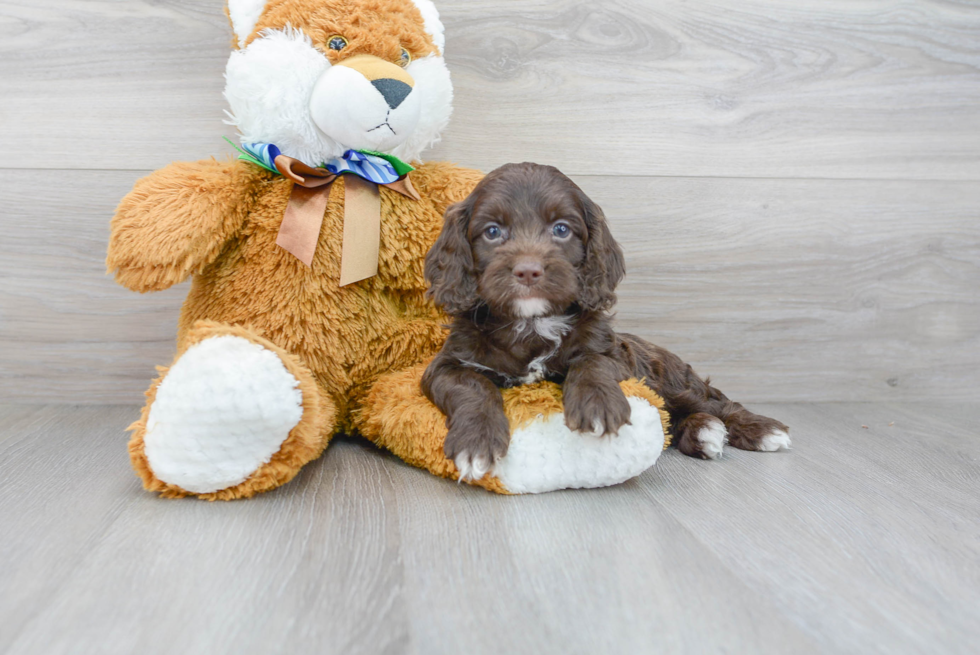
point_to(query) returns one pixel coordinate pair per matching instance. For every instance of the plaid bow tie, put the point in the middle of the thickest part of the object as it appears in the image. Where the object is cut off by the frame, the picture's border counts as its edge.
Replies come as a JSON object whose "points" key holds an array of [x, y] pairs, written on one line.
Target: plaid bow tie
{"points": [[300, 227]]}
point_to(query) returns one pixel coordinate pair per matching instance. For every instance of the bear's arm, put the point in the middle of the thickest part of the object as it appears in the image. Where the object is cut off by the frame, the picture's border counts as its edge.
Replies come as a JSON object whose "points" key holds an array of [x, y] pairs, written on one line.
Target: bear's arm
{"points": [[176, 221]]}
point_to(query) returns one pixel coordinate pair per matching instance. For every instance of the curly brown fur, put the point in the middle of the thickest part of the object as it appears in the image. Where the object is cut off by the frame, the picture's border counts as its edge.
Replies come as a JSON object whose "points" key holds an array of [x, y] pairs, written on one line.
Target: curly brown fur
{"points": [[528, 268]]}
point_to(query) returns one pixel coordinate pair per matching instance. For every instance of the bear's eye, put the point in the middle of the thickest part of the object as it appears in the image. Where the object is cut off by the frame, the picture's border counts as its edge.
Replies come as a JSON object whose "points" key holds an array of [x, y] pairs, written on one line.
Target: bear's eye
{"points": [[405, 59], [337, 43]]}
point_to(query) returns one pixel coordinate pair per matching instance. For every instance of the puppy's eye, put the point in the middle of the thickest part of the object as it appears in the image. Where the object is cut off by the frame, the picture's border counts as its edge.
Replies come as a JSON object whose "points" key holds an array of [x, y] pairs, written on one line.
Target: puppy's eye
{"points": [[337, 43], [405, 59], [561, 230], [493, 232]]}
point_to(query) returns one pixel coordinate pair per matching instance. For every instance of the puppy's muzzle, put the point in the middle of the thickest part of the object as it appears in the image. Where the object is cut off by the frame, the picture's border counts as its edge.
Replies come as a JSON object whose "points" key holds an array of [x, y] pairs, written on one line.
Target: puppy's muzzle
{"points": [[528, 272]]}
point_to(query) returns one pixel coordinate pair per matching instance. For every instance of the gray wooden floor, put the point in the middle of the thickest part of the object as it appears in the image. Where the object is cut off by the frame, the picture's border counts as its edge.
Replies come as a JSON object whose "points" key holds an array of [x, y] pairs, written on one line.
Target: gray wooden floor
{"points": [[860, 540], [796, 187]]}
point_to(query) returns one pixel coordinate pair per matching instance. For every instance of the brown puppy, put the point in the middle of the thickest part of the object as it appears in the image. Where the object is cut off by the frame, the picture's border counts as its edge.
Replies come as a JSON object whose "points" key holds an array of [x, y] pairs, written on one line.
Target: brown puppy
{"points": [[528, 269]]}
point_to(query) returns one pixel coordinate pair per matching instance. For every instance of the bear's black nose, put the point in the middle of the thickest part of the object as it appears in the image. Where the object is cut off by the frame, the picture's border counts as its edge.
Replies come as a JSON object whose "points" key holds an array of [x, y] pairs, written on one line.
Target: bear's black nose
{"points": [[394, 92]]}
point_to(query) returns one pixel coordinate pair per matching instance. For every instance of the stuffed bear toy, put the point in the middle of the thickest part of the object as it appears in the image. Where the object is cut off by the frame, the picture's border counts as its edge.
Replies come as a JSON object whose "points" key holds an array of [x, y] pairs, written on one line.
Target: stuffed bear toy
{"points": [[307, 314]]}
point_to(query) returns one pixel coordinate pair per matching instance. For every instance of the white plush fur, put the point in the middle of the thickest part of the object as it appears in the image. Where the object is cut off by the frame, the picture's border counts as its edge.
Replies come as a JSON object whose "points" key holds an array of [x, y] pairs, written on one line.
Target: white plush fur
{"points": [[348, 109], [713, 437], [433, 26], [282, 90], [546, 455], [268, 87], [435, 90], [776, 440], [223, 410], [244, 15]]}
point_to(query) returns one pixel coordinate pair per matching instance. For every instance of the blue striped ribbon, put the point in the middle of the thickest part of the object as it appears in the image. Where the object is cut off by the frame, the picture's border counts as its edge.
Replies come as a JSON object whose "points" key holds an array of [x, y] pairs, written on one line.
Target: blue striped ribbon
{"points": [[369, 167]]}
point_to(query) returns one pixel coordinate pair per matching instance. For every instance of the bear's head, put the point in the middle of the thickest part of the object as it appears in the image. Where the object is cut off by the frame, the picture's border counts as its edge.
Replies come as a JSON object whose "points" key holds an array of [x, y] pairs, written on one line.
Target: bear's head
{"points": [[319, 77]]}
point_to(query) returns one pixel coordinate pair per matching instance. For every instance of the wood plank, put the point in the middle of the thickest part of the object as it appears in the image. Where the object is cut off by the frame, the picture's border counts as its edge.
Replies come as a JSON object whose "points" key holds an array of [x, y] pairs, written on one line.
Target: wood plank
{"points": [[857, 540], [16, 420], [805, 290], [64, 480], [65, 325], [360, 554], [863, 535], [778, 289], [598, 572], [744, 88], [314, 564]]}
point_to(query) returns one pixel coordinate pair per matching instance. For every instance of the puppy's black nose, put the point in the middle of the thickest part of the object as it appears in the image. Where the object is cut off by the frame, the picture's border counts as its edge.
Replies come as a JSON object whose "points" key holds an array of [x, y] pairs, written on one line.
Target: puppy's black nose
{"points": [[528, 273], [394, 91]]}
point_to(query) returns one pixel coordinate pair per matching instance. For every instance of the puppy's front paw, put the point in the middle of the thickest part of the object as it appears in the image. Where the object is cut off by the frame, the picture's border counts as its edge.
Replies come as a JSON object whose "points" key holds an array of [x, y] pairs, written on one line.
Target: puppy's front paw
{"points": [[598, 410], [476, 444]]}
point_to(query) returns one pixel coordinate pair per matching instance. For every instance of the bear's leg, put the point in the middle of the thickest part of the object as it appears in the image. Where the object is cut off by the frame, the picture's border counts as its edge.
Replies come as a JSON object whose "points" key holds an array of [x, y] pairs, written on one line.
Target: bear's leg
{"points": [[544, 455], [233, 416]]}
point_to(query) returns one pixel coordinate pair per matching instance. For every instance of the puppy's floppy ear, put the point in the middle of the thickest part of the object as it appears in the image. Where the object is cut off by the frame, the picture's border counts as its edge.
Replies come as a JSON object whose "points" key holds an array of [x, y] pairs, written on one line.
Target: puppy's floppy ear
{"points": [[449, 267], [604, 266]]}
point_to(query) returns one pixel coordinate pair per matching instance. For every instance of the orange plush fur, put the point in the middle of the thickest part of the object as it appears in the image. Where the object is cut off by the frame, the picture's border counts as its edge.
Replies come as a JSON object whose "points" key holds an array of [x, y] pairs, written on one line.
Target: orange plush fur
{"points": [[380, 28], [222, 220], [305, 442], [397, 416], [218, 221]]}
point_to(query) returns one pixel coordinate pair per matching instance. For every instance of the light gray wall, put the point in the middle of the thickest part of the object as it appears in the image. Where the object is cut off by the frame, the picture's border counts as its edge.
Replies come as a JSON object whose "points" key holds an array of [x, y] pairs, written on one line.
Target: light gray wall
{"points": [[796, 182]]}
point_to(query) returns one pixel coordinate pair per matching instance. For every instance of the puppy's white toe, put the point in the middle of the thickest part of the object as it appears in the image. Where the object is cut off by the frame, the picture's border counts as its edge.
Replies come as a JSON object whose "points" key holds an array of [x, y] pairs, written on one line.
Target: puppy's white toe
{"points": [[472, 468], [712, 438], [776, 440]]}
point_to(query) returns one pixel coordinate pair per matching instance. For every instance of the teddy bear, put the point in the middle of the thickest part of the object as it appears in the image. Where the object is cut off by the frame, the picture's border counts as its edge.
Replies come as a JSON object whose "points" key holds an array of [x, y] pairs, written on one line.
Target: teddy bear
{"points": [[307, 315]]}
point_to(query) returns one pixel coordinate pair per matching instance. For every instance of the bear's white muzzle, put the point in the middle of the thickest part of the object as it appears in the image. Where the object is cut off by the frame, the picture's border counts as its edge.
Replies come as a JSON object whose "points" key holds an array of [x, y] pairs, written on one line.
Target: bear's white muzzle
{"points": [[366, 103]]}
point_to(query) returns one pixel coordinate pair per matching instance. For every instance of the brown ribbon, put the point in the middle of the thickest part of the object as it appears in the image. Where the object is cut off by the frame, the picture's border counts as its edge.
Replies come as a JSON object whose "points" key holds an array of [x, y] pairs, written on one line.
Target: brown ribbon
{"points": [[300, 228]]}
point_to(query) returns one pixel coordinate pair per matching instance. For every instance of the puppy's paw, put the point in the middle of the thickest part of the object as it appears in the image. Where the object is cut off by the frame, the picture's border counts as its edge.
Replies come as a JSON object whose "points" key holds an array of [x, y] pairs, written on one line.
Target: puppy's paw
{"points": [[750, 431], [712, 438], [476, 444], [775, 440], [471, 466], [597, 411], [702, 435]]}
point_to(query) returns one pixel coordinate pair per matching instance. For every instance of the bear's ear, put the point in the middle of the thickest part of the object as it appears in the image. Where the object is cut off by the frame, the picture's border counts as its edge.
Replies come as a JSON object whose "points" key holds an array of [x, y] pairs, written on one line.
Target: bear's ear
{"points": [[244, 14], [432, 23]]}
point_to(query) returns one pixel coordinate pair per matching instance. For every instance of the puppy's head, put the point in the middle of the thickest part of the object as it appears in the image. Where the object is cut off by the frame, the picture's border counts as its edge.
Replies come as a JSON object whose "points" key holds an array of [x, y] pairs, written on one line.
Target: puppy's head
{"points": [[527, 242], [320, 77]]}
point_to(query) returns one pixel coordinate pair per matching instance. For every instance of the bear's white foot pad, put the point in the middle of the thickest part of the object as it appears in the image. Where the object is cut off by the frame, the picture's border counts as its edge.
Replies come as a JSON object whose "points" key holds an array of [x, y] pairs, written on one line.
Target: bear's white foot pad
{"points": [[546, 456], [713, 438], [775, 440], [222, 411]]}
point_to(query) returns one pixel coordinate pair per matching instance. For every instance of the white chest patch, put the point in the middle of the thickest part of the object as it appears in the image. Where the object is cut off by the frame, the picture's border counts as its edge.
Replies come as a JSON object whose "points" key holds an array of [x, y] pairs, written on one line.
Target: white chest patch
{"points": [[550, 328]]}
